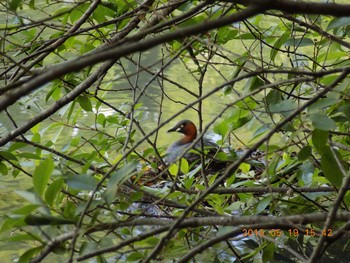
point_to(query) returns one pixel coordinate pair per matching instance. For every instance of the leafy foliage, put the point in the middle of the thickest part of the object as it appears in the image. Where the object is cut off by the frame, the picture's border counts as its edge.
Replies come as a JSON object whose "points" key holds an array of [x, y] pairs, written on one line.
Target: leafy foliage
{"points": [[88, 88]]}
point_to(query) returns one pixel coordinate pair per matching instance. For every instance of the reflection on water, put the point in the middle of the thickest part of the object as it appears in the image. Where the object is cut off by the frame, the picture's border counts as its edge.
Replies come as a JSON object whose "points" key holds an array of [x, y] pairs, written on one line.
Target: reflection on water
{"points": [[148, 89], [3, 130], [159, 100], [10, 201]]}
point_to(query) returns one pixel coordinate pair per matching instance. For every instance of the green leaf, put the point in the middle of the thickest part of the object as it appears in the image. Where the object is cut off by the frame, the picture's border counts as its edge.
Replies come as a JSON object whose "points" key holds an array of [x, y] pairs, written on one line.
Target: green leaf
{"points": [[54, 92], [12, 222], [319, 139], [222, 156], [247, 103], [241, 121], [273, 165], [7, 155], [75, 141], [28, 155], [29, 254], [103, 13], [226, 33], [288, 127], [85, 103], [239, 67], [322, 122], [244, 167], [36, 137], [260, 131], [304, 153], [330, 167], [283, 107], [20, 238], [153, 241], [118, 178], [101, 119], [3, 169], [15, 4], [306, 171], [70, 210], [42, 175], [329, 164], [135, 256], [345, 109], [322, 103], [77, 13], [195, 20], [222, 128], [35, 199], [32, 4], [254, 83], [174, 169], [29, 196], [261, 206], [216, 201], [273, 97], [137, 196], [26, 210], [17, 145], [71, 110], [299, 42], [52, 191], [123, 174], [35, 129], [184, 168], [280, 41], [339, 22], [246, 36], [268, 252], [82, 182], [148, 152], [327, 80]]}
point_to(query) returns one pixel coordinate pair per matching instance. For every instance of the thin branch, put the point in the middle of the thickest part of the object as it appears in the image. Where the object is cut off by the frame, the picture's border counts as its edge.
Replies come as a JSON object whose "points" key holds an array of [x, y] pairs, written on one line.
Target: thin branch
{"points": [[257, 220], [122, 244], [232, 168], [331, 217], [58, 70], [267, 189], [299, 7]]}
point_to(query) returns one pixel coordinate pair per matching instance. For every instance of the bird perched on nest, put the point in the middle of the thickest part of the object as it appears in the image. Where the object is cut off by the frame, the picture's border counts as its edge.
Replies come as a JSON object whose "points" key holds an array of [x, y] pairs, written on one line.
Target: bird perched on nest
{"points": [[189, 130]]}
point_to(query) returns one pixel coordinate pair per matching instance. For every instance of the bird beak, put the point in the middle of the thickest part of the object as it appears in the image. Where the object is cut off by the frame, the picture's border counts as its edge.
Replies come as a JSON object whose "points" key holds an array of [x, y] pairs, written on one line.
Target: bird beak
{"points": [[172, 129]]}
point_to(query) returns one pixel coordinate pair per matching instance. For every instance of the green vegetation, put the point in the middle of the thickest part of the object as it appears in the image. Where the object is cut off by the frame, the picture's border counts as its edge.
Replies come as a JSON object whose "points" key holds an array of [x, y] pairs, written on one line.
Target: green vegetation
{"points": [[88, 89]]}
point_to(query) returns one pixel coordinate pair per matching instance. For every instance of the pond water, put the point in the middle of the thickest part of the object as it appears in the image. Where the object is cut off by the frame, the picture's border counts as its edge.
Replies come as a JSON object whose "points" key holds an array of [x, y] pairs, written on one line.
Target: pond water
{"points": [[152, 106]]}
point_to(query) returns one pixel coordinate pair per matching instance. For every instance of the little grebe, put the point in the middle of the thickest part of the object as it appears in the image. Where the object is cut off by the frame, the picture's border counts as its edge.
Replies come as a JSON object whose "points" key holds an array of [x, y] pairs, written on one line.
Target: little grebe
{"points": [[179, 147]]}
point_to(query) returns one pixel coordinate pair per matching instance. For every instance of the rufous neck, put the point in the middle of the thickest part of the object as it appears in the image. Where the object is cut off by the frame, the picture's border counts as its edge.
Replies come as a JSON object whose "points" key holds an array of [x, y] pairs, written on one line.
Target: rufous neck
{"points": [[190, 132]]}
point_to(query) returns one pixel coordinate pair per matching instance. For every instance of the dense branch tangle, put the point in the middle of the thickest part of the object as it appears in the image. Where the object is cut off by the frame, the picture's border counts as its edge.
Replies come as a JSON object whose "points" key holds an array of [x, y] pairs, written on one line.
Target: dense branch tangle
{"points": [[259, 73]]}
